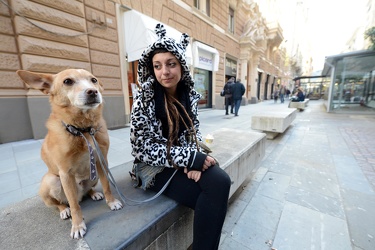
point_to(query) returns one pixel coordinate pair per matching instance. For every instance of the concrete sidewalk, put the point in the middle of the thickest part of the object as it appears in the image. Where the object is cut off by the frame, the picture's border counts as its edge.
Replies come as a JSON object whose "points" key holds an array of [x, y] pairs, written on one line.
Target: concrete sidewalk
{"points": [[313, 190]]}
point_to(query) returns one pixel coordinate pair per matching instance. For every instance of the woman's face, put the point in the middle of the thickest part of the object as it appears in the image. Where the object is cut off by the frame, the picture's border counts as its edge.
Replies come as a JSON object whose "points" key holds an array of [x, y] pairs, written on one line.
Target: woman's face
{"points": [[167, 70]]}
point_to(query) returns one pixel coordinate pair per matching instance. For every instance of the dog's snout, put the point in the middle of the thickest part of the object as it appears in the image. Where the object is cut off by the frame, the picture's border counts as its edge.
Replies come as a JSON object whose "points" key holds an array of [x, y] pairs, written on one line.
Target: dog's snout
{"points": [[92, 97], [92, 92]]}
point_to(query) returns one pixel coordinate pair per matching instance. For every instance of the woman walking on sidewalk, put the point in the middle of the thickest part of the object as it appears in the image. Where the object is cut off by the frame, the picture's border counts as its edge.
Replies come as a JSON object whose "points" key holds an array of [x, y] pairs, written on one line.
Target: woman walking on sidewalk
{"points": [[165, 134], [228, 96]]}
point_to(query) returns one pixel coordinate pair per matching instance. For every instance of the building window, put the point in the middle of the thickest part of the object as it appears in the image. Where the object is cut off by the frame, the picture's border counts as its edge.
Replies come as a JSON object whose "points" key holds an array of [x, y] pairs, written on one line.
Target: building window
{"points": [[231, 21], [203, 6]]}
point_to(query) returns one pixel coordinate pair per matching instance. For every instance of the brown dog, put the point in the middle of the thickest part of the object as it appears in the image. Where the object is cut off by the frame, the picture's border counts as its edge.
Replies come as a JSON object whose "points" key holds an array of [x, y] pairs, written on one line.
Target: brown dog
{"points": [[76, 102]]}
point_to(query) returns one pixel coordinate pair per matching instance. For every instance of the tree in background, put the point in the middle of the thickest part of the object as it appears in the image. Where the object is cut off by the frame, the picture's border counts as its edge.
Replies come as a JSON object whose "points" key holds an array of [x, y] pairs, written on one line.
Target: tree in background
{"points": [[370, 34]]}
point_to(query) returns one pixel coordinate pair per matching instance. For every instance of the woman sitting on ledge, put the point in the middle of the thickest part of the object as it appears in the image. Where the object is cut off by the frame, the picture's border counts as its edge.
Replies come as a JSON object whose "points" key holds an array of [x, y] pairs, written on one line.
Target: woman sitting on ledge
{"points": [[164, 135], [298, 96]]}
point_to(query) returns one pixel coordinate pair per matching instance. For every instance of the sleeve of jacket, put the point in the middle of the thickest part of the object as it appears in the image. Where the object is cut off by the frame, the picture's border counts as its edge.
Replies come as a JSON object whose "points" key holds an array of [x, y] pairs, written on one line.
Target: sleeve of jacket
{"points": [[196, 161], [242, 89]]}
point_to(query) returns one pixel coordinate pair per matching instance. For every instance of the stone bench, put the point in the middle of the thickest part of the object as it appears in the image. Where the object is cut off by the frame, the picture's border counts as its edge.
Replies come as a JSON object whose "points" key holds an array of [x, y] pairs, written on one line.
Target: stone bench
{"points": [[159, 224], [299, 105], [273, 122]]}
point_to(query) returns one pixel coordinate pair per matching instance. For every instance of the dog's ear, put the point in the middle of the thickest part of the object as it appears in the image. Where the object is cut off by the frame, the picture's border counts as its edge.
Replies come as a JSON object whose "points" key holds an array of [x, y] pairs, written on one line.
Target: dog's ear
{"points": [[42, 82], [101, 84]]}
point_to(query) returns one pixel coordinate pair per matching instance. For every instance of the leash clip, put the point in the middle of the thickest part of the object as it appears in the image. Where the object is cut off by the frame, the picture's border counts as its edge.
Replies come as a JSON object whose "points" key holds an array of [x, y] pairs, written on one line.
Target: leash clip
{"points": [[73, 130]]}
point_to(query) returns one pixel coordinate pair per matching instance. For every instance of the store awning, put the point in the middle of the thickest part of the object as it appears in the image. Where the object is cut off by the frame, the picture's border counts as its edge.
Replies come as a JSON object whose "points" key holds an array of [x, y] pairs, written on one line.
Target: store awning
{"points": [[139, 33], [215, 55], [356, 61]]}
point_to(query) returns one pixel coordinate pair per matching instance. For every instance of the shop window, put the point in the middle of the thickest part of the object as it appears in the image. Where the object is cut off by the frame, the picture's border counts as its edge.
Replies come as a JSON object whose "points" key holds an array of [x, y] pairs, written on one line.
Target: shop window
{"points": [[231, 21], [203, 6], [203, 81]]}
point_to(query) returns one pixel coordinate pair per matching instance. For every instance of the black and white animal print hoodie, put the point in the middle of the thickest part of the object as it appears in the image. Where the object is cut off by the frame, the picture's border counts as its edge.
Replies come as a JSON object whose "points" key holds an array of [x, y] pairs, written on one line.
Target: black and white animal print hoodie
{"points": [[148, 136]]}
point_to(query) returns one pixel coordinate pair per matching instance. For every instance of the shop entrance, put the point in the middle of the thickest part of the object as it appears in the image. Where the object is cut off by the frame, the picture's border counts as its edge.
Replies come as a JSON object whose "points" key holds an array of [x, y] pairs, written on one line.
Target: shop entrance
{"points": [[203, 85]]}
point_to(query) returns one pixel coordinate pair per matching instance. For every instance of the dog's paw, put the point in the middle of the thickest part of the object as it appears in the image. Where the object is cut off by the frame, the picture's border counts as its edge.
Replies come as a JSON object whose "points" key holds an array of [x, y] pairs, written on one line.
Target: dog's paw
{"points": [[78, 231], [97, 196], [115, 205], [65, 214]]}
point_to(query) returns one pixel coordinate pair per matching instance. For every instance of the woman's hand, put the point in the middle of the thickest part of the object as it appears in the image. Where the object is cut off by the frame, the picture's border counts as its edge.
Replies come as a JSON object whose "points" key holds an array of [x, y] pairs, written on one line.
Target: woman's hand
{"points": [[196, 175], [193, 174], [209, 162]]}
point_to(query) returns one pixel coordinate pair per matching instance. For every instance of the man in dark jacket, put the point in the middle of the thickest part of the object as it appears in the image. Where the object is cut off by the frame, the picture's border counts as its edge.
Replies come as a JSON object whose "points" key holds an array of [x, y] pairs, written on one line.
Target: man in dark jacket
{"points": [[238, 90], [228, 95]]}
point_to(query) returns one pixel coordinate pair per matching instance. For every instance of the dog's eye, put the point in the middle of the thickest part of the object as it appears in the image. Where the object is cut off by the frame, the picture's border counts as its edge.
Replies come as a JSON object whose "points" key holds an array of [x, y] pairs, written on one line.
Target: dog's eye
{"points": [[68, 81], [94, 80]]}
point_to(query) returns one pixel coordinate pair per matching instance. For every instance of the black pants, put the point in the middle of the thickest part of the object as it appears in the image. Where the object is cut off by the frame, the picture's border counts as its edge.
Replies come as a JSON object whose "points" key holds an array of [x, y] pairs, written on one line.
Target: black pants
{"points": [[229, 101], [208, 197]]}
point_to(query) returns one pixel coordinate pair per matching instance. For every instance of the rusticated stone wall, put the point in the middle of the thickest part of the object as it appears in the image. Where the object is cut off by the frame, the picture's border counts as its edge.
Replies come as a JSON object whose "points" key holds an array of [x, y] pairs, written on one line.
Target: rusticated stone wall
{"points": [[9, 60], [50, 36], [15, 123], [55, 35]]}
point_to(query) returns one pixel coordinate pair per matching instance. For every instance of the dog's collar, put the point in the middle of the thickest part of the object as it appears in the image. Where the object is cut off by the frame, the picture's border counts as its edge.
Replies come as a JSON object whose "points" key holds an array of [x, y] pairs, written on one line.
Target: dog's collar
{"points": [[79, 131]]}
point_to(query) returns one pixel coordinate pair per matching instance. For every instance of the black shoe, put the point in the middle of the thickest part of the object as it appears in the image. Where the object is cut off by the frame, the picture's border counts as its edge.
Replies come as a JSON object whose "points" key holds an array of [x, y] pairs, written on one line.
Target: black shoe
{"points": [[226, 114], [235, 115], [231, 112]]}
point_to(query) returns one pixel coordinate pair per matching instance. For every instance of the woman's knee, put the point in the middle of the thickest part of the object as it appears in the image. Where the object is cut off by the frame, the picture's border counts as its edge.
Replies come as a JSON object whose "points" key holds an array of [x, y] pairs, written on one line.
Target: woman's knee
{"points": [[226, 181], [222, 179]]}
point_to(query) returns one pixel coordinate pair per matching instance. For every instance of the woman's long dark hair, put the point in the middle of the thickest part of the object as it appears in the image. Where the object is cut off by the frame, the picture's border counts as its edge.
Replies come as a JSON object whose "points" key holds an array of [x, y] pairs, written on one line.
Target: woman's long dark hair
{"points": [[175, 114], [173, 110]]}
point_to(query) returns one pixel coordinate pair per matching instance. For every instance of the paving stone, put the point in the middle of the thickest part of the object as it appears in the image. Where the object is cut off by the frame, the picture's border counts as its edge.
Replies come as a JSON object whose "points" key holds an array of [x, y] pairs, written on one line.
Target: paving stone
{"points": [[259, 174], [248, 190], [318, 202], [304, 228], [31, 172], [274, 186], [359, 208], [230, 243], [350, 175], [258, 223], [9, 182], [285, 168]]}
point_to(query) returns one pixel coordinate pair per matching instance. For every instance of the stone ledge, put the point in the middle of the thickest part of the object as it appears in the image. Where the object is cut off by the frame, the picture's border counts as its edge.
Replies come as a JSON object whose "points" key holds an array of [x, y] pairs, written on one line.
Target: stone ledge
{"points": [[159, 224], [273, 123], [299, 105]]}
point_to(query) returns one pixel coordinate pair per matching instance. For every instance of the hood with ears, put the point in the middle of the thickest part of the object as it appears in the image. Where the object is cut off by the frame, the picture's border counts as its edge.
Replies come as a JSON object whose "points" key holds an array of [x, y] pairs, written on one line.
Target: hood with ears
{"points": [[177, 49]]}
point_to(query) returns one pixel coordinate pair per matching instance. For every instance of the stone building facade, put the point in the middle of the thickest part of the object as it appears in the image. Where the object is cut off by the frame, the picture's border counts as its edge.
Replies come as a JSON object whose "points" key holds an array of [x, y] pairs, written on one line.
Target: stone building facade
{"points": [[228, 38]]}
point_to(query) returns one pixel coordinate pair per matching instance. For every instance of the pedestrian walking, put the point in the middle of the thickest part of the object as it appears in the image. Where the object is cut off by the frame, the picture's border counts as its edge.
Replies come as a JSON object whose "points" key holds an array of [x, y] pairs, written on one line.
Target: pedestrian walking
{"points": [[287, 93], [228, 96], [275, 95], [238, 90], [282, 93], [164, 136]]}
